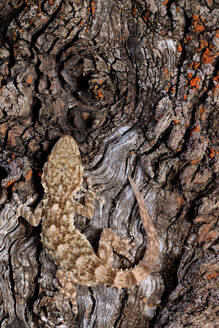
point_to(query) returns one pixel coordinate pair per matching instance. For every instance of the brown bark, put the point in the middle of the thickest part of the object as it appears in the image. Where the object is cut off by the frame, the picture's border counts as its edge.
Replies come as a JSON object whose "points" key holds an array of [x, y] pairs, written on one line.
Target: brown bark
{"points": [[136, 84]]}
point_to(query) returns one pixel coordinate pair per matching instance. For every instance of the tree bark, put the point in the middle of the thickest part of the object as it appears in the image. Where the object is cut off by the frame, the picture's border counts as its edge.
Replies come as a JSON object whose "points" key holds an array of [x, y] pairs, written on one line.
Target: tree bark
{"points": [[136, 84]]}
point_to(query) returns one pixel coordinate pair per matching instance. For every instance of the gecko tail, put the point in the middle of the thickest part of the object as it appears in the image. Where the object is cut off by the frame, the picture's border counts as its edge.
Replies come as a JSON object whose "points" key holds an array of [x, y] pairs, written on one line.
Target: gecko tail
{"points": [[150, 259], [152, 253], [122, 278], [128, 278]]}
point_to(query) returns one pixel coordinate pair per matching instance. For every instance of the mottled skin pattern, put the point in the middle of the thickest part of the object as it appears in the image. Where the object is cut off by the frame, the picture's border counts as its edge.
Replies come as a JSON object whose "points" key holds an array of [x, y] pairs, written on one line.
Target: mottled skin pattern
{"points": [[62, 178]]}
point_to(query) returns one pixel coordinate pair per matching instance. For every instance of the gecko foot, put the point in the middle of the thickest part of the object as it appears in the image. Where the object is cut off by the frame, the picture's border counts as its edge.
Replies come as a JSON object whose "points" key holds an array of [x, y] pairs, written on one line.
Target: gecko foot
{"points": [[110, 241], [68, 291]]}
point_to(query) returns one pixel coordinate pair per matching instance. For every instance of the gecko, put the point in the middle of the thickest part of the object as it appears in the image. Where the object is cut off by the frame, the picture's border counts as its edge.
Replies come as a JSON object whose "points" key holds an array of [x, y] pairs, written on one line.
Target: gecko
{"points": [[78, 264]]}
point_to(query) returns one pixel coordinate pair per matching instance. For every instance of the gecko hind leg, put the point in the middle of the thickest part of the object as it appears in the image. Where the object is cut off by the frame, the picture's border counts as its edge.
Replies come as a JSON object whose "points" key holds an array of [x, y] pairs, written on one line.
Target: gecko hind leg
{"points": [[110, 241], [67, 290]]}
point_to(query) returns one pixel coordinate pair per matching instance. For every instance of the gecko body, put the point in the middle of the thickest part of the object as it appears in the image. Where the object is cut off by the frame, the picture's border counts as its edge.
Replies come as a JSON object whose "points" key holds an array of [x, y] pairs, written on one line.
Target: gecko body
{"points": [[77, 262]]}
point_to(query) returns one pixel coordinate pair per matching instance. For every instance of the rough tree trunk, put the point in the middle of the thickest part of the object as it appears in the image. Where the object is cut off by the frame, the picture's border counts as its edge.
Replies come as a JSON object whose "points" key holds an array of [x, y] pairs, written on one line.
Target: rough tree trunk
{"points": [[135, 83]]}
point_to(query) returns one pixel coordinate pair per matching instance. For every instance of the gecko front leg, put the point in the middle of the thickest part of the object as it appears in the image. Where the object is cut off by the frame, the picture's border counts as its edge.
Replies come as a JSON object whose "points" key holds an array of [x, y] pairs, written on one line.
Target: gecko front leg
{"points": [[87, 209], [23, 209]]}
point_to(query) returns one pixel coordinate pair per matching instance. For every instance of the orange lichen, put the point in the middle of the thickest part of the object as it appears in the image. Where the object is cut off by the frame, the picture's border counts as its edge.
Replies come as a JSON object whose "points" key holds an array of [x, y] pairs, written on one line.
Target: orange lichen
{"points": [[93, 7], [216, 78], [133, 11], [29, 80], [10, 183], [195, 161], [167, 87], [203, 44], [214, 275], [185, 97], [189, 75], [165, 2], [195, 17], [195, 82], [28, 175], [207, 57], [176, 121], [196, 65], [198, 27], [212, 153], [99, 94], [179, 48]]}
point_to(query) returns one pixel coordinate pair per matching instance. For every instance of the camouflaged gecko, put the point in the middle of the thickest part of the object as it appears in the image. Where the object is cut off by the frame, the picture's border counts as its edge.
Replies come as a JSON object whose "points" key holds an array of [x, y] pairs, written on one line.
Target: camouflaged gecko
{"points": [[77, 263]]}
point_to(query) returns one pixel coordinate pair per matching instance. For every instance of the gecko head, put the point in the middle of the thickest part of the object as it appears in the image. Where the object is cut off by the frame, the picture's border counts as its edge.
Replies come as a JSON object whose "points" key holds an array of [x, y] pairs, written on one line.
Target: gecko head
{"points": [[63, 172], [68, 144]]}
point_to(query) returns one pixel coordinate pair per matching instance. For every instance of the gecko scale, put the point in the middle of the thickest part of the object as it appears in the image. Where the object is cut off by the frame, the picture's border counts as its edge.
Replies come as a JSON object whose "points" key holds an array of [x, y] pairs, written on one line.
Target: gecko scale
{"points": [[77, 262]]}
